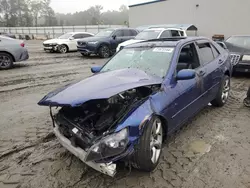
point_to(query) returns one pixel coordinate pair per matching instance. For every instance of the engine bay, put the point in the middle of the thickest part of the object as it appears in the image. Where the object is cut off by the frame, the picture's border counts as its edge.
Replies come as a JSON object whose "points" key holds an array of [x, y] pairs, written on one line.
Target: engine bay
{"points": [[86, 124]]}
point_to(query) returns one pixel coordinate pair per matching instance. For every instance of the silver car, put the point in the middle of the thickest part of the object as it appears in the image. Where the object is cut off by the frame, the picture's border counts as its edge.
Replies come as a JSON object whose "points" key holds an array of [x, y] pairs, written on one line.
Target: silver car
{"points": [[11, 50]]}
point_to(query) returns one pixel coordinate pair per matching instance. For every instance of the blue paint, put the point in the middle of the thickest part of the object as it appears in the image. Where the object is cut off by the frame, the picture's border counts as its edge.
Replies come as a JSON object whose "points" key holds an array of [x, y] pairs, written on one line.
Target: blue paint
{"points": [[181, 96]]}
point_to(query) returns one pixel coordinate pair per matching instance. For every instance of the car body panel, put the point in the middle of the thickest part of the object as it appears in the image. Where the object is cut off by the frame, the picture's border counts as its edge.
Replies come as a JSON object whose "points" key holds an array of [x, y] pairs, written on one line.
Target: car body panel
{"points": [[13, 47], [161, 30], [71, 43], [125, 79], [174, 102], [240, 56], [86, 45]]}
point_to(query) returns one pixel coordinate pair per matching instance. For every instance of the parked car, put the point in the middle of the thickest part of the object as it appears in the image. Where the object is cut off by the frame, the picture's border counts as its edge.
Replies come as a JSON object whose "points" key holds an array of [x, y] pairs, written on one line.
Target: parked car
{"points": [[10, 35], [153, 33], [11, 50], [141, 95], [105, 42], [247, 99], [66, 42], [239, 48]]}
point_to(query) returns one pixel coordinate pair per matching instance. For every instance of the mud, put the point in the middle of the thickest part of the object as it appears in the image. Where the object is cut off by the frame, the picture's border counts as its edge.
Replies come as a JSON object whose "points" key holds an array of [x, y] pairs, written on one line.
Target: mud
{"points": [[212, 150]]}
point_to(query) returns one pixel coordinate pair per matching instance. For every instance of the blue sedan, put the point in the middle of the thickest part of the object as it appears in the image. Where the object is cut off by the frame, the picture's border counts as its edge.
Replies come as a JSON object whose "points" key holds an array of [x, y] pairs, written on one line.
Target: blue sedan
{"points": [[125, 110]]}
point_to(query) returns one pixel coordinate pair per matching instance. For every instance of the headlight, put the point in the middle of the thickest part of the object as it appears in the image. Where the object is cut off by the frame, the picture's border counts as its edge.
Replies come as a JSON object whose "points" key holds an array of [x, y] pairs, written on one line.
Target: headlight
{"points": [[95, 42], [110, 146]]}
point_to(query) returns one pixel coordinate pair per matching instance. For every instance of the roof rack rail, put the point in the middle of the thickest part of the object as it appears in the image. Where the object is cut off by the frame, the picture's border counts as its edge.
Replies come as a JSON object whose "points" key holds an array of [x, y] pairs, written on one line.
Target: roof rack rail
{"points": [[166, 39]]}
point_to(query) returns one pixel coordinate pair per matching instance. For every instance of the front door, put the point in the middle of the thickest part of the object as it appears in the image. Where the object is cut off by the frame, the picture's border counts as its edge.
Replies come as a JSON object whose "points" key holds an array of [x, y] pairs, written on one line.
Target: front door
{"points": [[189, 91]]}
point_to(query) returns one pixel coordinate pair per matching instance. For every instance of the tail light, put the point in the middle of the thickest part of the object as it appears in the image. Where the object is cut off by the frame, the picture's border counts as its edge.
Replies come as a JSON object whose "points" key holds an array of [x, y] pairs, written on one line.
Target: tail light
{"points": [[22, 44]]}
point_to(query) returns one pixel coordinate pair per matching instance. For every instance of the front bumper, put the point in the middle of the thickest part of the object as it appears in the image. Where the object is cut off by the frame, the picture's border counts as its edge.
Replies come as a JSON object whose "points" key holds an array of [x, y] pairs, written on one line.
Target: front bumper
{"points": [[54, 47], [88, 49], [242, 67], [106, 168]]}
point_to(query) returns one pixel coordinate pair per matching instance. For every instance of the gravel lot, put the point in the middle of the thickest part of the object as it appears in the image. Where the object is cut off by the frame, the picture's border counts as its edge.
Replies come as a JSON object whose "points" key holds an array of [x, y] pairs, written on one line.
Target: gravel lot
{"points": [[213, 150]]}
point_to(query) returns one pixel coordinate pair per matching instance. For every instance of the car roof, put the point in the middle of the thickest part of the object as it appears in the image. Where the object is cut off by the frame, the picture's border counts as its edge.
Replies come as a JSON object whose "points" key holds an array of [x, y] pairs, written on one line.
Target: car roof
{"points": [[162, 29], [162, 42], [240, 36], [79, 32]]}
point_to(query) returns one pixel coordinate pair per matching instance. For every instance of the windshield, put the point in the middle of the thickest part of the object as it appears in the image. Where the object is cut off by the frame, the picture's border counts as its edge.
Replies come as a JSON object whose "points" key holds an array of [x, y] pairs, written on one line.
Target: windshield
{"points": [[65, 36], [153, 61], [105, 33], [240, 41], [147, 35]]}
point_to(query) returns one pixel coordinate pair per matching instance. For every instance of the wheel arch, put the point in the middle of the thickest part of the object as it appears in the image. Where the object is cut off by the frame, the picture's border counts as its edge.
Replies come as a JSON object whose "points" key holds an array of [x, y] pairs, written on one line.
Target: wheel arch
{"points": [[14, 60], [227, 72], [164, 126], [66, 46]]}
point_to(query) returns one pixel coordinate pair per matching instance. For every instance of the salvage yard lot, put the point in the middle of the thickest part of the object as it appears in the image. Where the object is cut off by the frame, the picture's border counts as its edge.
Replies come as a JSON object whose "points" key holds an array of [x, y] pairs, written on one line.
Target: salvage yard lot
{"points": [[212, 150]]}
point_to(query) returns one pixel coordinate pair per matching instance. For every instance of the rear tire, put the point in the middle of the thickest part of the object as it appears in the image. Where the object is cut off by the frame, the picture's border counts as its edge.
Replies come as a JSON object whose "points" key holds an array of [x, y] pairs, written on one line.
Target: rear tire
{"points": [[223, 93], [148, 151], [6, 61], [104, 51]]}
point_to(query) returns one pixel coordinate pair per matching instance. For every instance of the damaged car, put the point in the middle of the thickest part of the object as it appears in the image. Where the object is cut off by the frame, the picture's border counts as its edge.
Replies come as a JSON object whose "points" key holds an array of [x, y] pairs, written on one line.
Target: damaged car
{"points": [[129, 106]]}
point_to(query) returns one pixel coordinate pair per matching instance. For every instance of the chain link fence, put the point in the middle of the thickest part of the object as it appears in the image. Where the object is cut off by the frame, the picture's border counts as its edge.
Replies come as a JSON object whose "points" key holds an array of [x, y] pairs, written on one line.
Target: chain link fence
{"points": [[52, 32]]}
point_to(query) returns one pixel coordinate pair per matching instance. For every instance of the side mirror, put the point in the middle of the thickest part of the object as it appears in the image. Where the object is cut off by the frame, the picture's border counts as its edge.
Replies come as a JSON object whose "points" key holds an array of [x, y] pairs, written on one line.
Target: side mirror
{"points": [[185, 74], [114, 37], [95, 69], [71, 38]]}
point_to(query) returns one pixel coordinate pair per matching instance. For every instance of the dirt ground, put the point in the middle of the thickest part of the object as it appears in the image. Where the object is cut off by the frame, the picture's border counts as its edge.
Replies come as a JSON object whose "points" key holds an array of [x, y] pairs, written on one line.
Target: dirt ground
{"points": [[213, 150]]}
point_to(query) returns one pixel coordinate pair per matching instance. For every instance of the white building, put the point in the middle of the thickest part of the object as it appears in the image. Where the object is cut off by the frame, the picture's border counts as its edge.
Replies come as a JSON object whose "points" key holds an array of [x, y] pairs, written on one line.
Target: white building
{"points": [[226, 17]]}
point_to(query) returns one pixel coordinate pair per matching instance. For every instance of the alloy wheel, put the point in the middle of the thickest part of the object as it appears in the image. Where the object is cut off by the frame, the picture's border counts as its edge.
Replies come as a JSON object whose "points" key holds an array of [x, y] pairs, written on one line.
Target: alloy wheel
{"points": [[225, 91], [156, 141], [5, 61]]}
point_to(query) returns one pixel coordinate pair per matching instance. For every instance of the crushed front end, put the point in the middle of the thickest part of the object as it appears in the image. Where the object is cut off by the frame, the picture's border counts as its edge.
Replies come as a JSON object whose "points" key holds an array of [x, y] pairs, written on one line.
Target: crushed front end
{"points": [[91, 131]]}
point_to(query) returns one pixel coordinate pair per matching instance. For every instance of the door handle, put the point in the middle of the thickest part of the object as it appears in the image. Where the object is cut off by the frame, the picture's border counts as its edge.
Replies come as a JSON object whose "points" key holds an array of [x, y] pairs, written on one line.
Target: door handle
{"points": [[202, 73], [220, 61]]}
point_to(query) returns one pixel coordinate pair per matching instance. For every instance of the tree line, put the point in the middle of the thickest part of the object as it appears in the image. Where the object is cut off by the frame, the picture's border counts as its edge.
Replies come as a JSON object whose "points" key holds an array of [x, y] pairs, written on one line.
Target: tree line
{"points": [[27, 13]]}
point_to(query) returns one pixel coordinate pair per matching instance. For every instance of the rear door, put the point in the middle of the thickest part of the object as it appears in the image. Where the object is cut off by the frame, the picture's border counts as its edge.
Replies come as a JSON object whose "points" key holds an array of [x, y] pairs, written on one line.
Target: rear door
{"points": [[210, 60]]}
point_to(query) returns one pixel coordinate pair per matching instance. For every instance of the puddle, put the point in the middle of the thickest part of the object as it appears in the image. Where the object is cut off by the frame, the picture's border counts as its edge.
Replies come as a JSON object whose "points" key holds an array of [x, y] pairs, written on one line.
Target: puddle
{"points": [[200, 147]]}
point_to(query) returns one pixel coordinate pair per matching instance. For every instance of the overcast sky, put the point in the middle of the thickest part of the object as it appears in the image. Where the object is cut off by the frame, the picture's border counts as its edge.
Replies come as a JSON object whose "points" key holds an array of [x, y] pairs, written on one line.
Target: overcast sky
{"points": [[71, 6]]}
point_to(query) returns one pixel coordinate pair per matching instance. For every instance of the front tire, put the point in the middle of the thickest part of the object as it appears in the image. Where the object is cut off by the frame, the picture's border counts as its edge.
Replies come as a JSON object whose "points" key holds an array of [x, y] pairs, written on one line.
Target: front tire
{"points": [[148, 151], [63, 49], [223, 93], [6, 61], [104, 51], [246, 102]]}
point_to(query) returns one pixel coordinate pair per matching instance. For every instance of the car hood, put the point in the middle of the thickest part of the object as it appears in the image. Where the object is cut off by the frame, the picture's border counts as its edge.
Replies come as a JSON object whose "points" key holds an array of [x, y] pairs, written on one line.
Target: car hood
{"points": [[237, 49], [93, 39], [99, 86], [54, 41], [128, 42]]}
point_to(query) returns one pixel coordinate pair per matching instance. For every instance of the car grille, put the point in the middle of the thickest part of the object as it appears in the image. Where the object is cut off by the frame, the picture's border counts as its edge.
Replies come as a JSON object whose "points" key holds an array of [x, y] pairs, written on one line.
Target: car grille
{"points": [[48, 45], [235, 58], [82, 43]]}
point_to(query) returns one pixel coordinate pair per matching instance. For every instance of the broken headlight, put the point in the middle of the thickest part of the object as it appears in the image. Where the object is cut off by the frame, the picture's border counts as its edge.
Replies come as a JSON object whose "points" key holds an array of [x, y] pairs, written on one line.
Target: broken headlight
{"points": [[110, 146]]}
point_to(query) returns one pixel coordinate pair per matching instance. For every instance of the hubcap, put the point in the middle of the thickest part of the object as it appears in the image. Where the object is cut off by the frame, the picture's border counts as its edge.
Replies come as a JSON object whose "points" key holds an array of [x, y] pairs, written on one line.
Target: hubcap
{"points": [[63, 49], [156, 141], [5, 61], [225, 91], [105, 51]]}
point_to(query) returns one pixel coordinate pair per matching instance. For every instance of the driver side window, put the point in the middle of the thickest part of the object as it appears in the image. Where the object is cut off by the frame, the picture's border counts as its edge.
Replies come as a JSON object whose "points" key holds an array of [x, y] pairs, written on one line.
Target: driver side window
{"points": [[119, 33], [188, 58]]}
